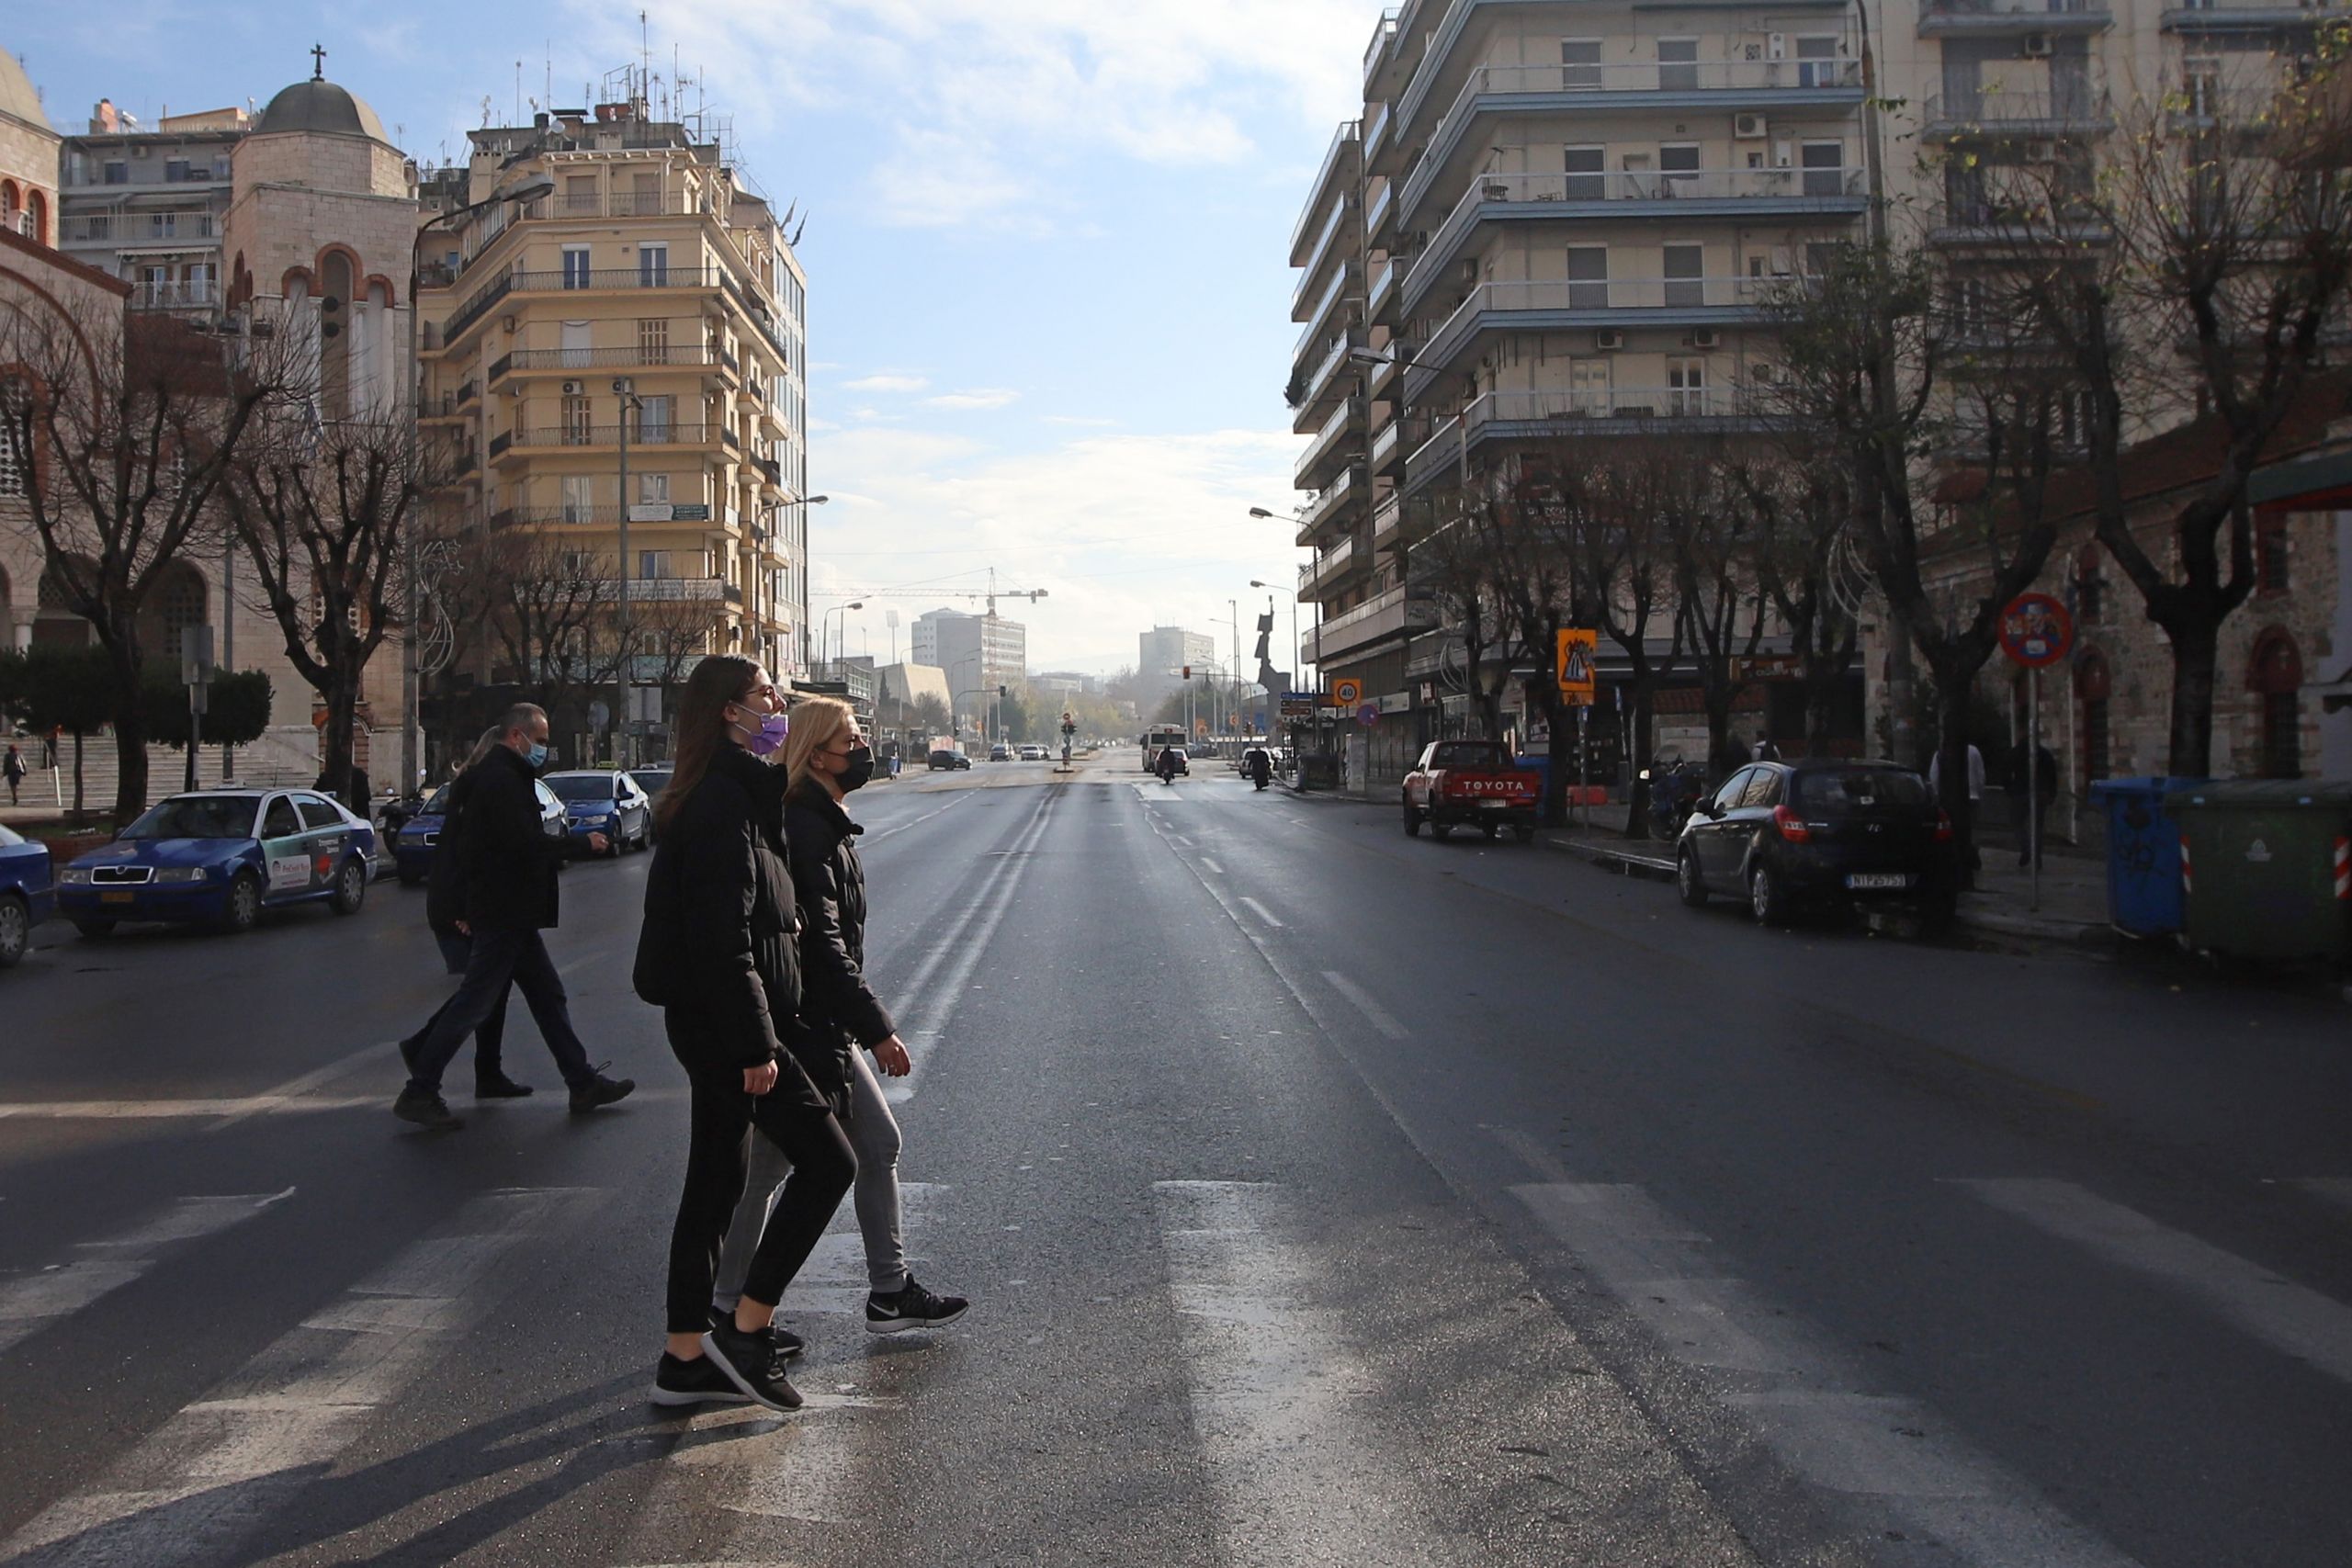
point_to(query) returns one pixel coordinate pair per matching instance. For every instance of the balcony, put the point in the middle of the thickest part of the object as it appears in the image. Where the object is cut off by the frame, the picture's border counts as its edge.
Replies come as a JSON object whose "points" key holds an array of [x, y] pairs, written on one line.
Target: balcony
{"points": [[1340, 167], [192, 294], [569, 281], [1679, 195], [1383, 39], [1375, 135], [1327, 504], [139, 228], [448, 405], [1621, 89], [1324, 383], [2248, 17], [617, 204], [674, 590], [1340, 241], [1384, 518], [1384, 287], [1979, 18], [2075, 111], [1622, 303], [562, 437], [1333, 448], [1384, 617], [530, 361], [1327, 565], [1330, 310], [1602, 413], [1385, 444]]}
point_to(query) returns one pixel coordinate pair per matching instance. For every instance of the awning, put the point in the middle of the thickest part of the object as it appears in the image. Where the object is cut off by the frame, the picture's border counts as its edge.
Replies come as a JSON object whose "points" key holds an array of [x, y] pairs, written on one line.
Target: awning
{"points": [[2317, 483]]}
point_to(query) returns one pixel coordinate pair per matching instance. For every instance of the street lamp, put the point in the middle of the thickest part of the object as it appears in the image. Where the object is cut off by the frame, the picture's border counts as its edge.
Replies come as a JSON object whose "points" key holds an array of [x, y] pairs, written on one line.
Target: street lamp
{"points": [[526, 191], [842, 633], [798, 546]]}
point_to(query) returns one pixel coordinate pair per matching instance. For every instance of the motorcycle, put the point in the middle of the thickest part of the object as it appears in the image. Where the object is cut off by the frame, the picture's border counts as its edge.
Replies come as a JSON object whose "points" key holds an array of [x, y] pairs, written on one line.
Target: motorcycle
{"points": [[396, 814], [1675, 788]]}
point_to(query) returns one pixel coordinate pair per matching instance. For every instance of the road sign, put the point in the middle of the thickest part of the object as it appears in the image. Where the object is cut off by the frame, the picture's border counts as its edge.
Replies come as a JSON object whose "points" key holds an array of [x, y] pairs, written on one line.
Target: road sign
{"points": [[1579, 646], [2036, 631], [1346, 693], [1369, 714], [1298, 704]]}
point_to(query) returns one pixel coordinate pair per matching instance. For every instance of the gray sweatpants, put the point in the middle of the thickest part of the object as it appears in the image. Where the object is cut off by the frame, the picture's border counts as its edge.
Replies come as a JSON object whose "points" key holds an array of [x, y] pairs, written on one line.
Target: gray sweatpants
{"points": [[874, 1135]]}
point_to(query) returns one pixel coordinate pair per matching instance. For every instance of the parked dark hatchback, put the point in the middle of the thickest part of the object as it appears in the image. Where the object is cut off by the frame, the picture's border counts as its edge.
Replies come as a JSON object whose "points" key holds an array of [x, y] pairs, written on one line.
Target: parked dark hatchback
{"points": [[1820, 831]]}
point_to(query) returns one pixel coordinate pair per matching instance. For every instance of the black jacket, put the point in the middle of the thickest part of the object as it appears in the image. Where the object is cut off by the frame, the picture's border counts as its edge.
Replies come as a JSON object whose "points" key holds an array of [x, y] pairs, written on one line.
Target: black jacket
{"points": [[510, 864], [838, 1009], [718, 950], [445, 882]]}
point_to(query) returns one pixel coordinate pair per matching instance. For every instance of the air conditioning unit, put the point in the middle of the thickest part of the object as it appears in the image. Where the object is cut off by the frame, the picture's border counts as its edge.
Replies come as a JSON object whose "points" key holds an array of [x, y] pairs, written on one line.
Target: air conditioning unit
{"points": [[1750, 127], [574, 388], [2037, 45], [2042, 152], [1764, 373], [1777, 45], [1704, 337], [1608, 339]]}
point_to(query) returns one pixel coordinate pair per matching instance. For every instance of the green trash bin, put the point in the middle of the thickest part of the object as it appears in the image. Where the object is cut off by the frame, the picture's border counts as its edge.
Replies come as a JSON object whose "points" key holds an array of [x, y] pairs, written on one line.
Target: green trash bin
{"points": [[2264, 868]]}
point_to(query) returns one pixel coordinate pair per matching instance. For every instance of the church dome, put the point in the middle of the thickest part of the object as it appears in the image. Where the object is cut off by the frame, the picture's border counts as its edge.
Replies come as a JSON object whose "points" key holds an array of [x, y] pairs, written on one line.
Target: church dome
{"points": [[319, 105], [17, 94]]}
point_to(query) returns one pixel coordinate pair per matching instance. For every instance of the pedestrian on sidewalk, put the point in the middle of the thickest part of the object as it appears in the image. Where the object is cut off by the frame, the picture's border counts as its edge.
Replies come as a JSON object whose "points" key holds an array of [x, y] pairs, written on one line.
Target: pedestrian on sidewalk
{"points": [[719, 956], [2045, 785], [13, 767], [445, 908], [1764, 750], [510, 898], [49, 748], [826, 758], [1976, 796]]}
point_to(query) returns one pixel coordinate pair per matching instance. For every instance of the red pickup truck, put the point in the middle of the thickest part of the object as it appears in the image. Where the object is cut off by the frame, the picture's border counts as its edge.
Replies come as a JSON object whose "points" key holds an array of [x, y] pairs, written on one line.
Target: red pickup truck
{"points": [[1472, 783]]}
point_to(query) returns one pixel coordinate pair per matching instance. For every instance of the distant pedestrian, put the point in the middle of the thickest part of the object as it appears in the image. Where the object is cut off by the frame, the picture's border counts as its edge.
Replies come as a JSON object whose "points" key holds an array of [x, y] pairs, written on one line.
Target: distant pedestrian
{"points": [[1975, 794], [1764, 750], [825, 760], [13, 767], [719, 955], [510, 898], [444, 905], [2045, 785]]}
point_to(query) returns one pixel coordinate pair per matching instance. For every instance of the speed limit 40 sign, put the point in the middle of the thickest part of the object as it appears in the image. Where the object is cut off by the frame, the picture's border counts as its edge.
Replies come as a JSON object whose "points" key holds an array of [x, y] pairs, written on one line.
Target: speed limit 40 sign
{"points": [[1347, 693]]}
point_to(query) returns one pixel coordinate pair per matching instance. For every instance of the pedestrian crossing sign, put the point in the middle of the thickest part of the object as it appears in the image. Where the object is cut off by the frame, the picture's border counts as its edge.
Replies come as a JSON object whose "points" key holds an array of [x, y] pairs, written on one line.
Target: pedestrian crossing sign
{"points": [[1578, 648]]}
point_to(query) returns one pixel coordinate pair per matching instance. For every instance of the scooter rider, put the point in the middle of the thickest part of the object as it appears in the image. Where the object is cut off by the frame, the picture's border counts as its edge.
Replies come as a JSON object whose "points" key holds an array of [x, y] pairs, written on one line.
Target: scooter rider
{"points": [[1167, 769]]}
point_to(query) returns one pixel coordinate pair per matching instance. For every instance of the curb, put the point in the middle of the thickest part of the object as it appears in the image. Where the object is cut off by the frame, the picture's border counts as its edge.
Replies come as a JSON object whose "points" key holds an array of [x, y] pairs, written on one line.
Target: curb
{"points": [[1625, 862]]}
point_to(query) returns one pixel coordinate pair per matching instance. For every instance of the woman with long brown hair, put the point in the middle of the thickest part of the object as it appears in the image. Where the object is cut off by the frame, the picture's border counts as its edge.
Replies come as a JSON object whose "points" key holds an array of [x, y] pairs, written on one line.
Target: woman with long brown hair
{"points": [[719, 955], [825, 761]]}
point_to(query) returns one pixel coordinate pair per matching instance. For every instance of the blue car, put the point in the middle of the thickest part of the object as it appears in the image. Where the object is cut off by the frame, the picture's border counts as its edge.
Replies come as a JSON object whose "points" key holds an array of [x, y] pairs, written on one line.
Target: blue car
{"points": [[26, 897], [606, 801], [412, 847], [222, 856]]}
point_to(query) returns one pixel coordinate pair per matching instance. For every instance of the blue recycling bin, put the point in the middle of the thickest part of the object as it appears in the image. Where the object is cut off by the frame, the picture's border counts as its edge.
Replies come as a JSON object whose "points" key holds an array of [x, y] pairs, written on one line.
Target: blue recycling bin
{"points": [[2144, 896]]}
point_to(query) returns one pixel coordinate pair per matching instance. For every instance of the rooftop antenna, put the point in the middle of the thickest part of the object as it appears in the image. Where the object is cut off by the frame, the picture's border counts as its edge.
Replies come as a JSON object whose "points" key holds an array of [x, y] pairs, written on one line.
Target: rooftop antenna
{"points": [[546, 47], [518, 91], [644, 51]]}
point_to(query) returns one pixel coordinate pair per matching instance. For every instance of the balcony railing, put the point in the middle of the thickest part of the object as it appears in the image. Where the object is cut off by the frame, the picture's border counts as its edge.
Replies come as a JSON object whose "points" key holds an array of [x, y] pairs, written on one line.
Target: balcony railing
{"points": [[610, 435], [2231, 16], [198, 294], [619, 204], [1328, 500], [685, 355], [568, 280], [1348, 281], [676, 589], [1600, 413], [1330, 440], [137, 228], [2067, 109], [1342, 140], [1384, 33], [2019, 16]]}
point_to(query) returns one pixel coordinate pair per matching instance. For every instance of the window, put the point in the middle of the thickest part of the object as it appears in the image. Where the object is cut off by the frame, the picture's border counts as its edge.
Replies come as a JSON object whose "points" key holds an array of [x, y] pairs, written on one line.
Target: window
{"points": [[15, 436], [1728, 796], [1580, 64], [1678, 64], [175, 171], [653, 564], [576, 426], [577, 346], [653, 421], [1817, 63], [1686, 270], [317, 813], [279, 821], [117, 173], [2092, 687], [1586, 181], [2271, 563], [578, 497], [1686, 387], [1588, 277], [1678, 170], [654, 487], [1763, 788], [1825, 168], [653, 342], [580, 195], [645, 193], [575, 266], [2090, 588], [2275, 674], [1588, 385], [652, 265], [2200, 81]]}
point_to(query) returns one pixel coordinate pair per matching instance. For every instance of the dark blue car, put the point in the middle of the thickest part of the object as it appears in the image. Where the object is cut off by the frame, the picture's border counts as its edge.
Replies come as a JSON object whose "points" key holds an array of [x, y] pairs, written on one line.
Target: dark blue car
{"points": [[606, 801], [222, 856], [26, 897], [413, 848]]}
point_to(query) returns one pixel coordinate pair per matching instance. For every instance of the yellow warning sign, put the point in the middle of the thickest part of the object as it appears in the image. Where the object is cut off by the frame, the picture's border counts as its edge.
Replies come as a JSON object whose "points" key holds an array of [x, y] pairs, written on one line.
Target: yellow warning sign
{"points": [[1346, 693], [1579, 646]]}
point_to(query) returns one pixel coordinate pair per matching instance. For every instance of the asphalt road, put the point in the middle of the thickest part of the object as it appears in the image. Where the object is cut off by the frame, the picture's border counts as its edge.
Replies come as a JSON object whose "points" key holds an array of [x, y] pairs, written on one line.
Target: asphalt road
{"points": [[1326, 1197]]}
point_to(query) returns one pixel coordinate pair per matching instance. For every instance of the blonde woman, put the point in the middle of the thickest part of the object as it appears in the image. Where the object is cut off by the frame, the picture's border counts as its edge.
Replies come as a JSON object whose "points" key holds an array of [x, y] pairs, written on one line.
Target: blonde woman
{"points": [[826, 760]]}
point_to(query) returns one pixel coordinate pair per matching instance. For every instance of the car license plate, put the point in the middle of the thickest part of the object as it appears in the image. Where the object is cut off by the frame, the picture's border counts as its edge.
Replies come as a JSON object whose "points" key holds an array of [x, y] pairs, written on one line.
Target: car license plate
{"points": [[116, 898], [1495, 805], [1865, 881]]}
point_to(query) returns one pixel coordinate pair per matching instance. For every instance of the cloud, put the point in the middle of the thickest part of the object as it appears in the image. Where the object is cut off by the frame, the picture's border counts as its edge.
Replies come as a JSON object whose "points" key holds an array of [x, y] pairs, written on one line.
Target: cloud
{"points": [[888, 381], [1092, 422], [976, 397]]}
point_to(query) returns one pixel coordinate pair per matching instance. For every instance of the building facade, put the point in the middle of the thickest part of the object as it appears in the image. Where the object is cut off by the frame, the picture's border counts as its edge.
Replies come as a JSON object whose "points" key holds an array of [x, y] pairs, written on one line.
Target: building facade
{"points": [[979, 653], [649, 305], [1162, 654], [148, 205], [28, 158]]}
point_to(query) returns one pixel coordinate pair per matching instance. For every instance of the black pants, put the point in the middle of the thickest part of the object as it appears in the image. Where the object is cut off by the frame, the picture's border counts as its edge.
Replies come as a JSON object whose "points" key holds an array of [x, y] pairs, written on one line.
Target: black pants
{"points": [[796, 1120], [498, 960]]}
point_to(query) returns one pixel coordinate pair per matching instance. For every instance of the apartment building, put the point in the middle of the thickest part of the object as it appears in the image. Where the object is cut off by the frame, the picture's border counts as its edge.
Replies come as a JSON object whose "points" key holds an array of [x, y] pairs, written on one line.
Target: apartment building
{"points": [[1163, 651], [1551, 219], [651, 303], [147, 205], [979, 652]]}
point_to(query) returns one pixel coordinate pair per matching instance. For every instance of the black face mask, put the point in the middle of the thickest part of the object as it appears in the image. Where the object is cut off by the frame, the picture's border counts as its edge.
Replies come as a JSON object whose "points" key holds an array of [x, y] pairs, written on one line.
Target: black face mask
{"points": [[860, 768]]}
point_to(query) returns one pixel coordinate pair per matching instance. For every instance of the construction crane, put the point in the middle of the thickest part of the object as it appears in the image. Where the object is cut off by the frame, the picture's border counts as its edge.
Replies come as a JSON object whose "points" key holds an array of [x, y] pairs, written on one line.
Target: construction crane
{"points": [[992, 593]]}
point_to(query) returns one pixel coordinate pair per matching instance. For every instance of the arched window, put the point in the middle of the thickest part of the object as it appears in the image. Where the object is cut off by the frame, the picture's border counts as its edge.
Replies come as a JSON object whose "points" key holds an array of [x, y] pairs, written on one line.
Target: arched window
{"points": [[2275, 675], [10, 202], [2092, 688], [15, 436], [2090, 589], [37, 217]]}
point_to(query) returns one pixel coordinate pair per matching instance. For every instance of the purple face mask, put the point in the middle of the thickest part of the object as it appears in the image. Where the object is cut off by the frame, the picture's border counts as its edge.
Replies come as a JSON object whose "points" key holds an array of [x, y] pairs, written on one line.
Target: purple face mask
{"points": [[763, 741]]}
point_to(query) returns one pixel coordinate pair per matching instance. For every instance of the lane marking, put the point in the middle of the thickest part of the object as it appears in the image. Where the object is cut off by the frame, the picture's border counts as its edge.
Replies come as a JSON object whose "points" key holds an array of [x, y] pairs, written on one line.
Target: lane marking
{"points": [[30, 1303], [1539, 1159], [1284, 1410], [1214, 869], [1888, 1461], [1362, 1000], [2337, 1189], [159, 1109], [875, 838], [2285, 1315], [191, 1490], [294, 1089], [1261, 911]]}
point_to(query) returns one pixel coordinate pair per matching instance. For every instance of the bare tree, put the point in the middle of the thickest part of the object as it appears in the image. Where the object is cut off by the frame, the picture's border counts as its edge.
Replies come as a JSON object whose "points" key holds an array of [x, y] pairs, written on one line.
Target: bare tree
{"points": [[1800, 509], [1455, 563], [552, 601], [2198, 268], [1712, 536], [124, 426], [322, 513]]}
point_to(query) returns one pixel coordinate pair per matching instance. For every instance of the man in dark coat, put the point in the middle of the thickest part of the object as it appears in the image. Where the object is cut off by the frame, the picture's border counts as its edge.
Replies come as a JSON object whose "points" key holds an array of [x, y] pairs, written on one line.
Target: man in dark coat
{"points": [[2045, 785], [510, 867]]}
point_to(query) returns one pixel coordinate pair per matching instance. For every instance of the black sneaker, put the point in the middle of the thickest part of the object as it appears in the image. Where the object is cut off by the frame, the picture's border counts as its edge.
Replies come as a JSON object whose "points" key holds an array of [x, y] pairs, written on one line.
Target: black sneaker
{"points": [[751, 1364], [408, 1052], [911, 1307], [699, 1382], [601, 1090], [498, 1087], [787, 1344], [425, 1110]]}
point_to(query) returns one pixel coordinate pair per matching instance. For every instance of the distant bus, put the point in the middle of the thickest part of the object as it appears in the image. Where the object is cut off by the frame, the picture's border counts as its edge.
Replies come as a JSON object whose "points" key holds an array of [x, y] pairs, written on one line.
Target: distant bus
{"points": [[1158, 740]]}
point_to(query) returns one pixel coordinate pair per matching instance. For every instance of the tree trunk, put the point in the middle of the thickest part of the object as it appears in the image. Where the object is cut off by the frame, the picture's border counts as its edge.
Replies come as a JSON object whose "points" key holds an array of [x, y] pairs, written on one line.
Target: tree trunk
{"points": [[130, 750], [2195, 656], [1723, 753], [1562, 749], [1822, 680], [1638, 757], [335, 740], [77, 775], [1951, 751]]}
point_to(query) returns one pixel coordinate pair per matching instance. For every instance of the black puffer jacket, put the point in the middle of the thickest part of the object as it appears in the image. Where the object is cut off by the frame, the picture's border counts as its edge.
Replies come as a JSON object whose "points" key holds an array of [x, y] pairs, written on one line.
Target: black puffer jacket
{"points": [[510, 862], [838, 1009], [719, 951]]}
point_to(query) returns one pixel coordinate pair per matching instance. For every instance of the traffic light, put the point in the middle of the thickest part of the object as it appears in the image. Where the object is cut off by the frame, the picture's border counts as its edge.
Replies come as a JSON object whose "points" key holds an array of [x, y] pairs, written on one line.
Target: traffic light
{"points": [[1000, 691], [1188, 671]]}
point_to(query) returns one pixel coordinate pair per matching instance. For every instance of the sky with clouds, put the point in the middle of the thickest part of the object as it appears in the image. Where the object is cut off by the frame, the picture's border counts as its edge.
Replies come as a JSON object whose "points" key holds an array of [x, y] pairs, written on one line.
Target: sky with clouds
{"points": [[1046, 243]]}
